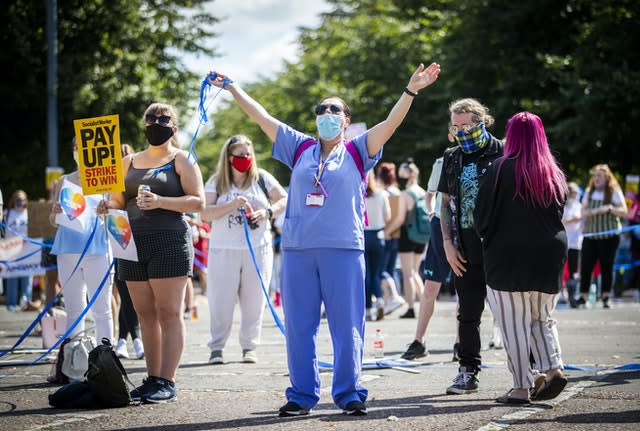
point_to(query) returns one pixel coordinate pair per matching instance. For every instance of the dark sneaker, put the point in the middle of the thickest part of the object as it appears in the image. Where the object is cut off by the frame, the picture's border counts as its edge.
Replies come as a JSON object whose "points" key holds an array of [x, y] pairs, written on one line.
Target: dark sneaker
{"points": [[416, 350], [605, 302], [216, 357], [456, 353], [164, 391], [465, 382], [138, 393], [355, 408], [409, 314], [292, 409]]}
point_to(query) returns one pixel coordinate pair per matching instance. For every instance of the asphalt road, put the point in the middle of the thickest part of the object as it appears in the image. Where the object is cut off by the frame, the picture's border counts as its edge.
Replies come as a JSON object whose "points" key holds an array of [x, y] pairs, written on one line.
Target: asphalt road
{"points": [[601, 349]]}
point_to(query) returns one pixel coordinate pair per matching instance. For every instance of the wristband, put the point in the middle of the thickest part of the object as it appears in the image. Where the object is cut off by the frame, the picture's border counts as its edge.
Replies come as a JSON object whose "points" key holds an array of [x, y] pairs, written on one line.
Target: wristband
{"points": [[409, 92]]}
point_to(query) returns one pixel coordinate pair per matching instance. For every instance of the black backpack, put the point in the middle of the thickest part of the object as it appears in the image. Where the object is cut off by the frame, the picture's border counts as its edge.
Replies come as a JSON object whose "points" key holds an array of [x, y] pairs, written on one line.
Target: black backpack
{"points": [[107, 377], [105, 383]]}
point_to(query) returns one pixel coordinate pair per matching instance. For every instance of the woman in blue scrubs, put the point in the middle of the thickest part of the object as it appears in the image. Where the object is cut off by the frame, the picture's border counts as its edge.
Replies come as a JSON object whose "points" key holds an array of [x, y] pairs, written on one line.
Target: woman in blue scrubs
{"points": [[323, 238]]}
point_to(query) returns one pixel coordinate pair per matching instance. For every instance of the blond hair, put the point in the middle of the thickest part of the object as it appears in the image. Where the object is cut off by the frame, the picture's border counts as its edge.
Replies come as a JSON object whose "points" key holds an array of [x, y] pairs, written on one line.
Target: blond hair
{"points": [[478, 111], [223, 176]]}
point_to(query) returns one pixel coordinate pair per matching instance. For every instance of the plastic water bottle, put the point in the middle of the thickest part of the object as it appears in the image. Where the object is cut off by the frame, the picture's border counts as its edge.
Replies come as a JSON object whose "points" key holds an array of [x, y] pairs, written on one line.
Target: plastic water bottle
{"points": [[378, 344], [591, 299]]}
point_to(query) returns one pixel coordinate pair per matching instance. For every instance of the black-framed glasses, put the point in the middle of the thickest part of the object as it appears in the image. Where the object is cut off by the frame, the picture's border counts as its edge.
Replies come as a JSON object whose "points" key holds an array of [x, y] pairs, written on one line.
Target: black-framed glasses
{"points": [[162, 119], [466, 128], [322, 108]]}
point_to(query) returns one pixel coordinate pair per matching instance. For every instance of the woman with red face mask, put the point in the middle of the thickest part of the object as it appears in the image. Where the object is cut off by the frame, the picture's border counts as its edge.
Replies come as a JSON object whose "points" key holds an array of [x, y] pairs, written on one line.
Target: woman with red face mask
{"points": [[238, 183]]}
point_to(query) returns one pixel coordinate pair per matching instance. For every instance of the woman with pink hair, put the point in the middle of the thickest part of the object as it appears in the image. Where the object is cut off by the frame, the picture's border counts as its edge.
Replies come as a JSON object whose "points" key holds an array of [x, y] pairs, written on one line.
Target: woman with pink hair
{"points": [[518, 215]]}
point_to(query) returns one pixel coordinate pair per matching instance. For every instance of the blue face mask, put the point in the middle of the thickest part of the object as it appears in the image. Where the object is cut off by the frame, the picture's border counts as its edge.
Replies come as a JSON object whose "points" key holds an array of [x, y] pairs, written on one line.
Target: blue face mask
{"points": [[329, 126]]}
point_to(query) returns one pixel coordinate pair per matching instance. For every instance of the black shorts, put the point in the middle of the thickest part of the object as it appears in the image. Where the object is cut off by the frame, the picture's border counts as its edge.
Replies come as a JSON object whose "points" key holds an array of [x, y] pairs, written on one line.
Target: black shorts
{"points": [[436, 266], [405, 245], [164, 254]]}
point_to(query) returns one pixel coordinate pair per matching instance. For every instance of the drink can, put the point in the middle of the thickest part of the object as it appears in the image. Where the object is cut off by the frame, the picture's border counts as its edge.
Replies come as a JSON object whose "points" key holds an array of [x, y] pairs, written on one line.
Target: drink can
{"points": [[143, 188]]}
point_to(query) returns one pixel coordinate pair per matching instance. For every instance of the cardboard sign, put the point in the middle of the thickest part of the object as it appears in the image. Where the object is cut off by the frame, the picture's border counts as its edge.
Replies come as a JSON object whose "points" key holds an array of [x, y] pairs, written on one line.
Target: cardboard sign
{"points": [[99, 154], [25, 263]]}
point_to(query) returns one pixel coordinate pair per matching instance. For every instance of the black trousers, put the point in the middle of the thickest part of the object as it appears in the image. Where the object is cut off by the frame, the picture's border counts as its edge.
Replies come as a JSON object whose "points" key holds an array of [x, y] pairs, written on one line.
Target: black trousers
{"points": [[127, 317], [472, 291], [603, 250]]}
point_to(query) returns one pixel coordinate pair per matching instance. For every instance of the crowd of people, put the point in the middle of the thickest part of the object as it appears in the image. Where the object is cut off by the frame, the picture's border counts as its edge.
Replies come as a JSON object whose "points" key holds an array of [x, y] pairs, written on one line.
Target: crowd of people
{"points": [[505, 227]]}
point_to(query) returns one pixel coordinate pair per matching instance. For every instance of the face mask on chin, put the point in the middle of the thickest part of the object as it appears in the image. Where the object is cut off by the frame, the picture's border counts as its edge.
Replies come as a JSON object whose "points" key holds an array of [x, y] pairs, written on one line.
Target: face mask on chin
{"points": [[329, 126], [402, 182], [157, 134]]}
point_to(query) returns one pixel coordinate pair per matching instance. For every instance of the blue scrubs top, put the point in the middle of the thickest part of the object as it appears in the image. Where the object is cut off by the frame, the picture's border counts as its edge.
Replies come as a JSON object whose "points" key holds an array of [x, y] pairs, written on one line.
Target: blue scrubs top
{"points": [[339, 222]]}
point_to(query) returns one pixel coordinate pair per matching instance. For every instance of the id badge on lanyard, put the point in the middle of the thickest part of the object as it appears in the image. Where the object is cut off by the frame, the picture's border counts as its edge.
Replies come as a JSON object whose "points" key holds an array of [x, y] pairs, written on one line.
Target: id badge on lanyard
{"points": [[316, 199]]}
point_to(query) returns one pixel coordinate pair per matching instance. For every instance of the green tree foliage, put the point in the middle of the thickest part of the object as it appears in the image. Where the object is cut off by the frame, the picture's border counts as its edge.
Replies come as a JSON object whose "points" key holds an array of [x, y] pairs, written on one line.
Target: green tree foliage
{"points": [[572, 62], [114, 57]]}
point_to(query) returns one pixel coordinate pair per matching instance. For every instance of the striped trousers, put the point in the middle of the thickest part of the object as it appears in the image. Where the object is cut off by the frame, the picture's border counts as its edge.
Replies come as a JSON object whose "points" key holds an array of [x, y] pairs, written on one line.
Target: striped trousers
{"points": [[527, 329]]}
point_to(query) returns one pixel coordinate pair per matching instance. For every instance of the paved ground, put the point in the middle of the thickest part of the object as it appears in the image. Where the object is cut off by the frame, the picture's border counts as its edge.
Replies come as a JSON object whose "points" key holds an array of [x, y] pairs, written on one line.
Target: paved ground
{"points": [[246, 396]]}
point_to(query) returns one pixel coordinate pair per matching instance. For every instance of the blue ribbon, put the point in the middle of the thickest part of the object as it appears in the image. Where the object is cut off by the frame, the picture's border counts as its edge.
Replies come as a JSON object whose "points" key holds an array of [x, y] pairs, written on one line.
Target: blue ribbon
{"points": [[81, 316], [255, 263], [611, 232], [25, 238], [203, 106]]}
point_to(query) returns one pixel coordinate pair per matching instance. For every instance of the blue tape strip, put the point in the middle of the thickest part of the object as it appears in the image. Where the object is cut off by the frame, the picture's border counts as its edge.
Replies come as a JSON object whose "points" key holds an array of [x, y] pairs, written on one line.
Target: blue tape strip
{"points": [[255, 263]]}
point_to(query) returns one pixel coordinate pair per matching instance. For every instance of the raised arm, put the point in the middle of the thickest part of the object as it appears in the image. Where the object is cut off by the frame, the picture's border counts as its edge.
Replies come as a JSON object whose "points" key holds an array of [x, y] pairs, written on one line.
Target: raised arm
{"points": [[380, 133], [251, 107]]}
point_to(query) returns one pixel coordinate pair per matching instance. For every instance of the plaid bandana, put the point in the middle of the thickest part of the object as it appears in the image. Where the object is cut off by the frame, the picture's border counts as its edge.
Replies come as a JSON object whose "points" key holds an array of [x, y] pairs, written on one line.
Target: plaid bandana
{"points": [[476, 139]]}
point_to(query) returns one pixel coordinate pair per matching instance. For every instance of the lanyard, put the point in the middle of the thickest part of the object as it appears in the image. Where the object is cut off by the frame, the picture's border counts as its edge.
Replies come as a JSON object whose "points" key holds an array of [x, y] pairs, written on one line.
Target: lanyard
{"points": [[321, 165]]}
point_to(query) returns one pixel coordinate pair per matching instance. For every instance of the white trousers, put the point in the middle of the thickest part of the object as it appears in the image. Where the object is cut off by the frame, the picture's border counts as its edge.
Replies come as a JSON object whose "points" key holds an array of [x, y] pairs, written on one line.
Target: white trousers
{"points": [[85, 281], [527, 328], [231, 278]]}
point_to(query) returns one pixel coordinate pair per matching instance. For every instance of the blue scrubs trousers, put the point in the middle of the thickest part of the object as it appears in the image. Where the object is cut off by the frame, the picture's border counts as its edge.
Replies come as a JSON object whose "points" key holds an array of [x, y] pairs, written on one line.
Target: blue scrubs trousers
{"points": [[336, 277]]}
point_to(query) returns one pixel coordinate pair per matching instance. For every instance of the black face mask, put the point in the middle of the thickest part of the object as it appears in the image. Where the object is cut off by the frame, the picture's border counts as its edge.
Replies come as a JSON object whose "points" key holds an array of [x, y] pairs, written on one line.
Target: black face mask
{"points": [[402, 182], [157, 134]]}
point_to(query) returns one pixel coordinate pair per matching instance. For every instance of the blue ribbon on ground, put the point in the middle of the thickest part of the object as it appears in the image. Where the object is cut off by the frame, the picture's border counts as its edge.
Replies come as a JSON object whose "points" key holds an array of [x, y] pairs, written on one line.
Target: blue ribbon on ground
{"points": [[255, 264], [81, 316], [46, 309]]}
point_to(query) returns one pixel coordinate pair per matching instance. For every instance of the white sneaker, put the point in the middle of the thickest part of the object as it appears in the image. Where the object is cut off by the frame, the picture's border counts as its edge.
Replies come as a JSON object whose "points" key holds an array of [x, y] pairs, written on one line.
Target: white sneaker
{"points": [[121, 349], [394, 304], [138, 348]]}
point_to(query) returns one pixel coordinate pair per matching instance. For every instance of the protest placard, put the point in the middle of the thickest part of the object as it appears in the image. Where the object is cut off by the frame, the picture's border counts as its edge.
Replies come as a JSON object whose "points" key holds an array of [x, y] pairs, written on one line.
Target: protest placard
{"points": [[99, 154]]}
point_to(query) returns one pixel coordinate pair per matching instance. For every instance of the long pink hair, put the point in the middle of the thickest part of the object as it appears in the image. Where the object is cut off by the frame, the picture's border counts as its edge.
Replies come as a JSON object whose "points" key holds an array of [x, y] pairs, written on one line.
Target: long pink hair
{"points": [[539, 179]]}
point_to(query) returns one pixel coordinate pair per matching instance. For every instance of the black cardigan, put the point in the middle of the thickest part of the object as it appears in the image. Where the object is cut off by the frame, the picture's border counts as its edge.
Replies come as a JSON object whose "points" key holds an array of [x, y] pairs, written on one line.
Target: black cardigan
{"points": [[524, 247]]}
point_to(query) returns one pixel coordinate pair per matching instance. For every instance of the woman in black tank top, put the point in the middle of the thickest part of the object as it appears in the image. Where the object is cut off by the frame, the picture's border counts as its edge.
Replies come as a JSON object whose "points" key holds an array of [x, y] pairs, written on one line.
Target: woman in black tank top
{"points": [[157, 281]]}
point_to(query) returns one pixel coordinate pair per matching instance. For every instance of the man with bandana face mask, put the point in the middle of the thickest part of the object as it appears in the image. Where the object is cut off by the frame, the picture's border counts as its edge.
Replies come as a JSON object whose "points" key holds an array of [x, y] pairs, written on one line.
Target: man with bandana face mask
{"points": [[323, 238], [463, 168]]}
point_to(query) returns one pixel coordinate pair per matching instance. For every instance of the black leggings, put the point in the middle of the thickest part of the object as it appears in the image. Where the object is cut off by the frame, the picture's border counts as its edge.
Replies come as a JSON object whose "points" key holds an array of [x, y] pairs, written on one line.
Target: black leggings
{"points": [[603, 250], [127, 317]]}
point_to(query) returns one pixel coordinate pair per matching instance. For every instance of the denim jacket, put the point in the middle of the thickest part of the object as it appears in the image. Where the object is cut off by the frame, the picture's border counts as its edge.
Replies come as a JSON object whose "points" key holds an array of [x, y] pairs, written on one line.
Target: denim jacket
{"points": [[452, 168]]}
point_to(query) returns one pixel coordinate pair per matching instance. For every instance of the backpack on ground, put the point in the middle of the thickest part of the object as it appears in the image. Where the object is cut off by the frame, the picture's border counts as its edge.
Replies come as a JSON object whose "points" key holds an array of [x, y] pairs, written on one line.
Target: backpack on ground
{"points": [[107, 377], [418, 227]]}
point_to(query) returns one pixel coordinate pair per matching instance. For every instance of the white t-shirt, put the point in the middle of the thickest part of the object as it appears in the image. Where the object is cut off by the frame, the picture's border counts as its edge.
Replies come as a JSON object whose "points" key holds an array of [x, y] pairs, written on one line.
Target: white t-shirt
{"points": [[432, 186], [17, 223], [227, 232], [572, 209], [377, 206], [617, 197]]}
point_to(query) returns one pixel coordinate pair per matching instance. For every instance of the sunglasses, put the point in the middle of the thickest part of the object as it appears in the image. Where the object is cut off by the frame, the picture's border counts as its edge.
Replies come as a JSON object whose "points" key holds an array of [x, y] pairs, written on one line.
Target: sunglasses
{"points": [[322, 109], [162, 119]]}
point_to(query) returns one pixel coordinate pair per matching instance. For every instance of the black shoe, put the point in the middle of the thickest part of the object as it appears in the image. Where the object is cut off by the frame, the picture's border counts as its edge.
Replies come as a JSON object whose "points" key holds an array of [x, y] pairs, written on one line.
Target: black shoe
{"points": [[605, 302], [409, 314], [456, 353], [292, 409], [355, 408], [465, 382], [164, 391], [138, 393], [416, 350], [580, 302]]}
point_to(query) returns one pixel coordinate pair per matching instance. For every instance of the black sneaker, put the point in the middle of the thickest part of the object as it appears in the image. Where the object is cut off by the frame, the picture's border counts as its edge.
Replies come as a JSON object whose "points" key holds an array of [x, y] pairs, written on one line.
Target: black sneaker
{"points": [[456, 353], [465, 382], [355, 408], [605, 302], [138, 393], [292, 409], [409, 314], [416, 350], [164, 391]]}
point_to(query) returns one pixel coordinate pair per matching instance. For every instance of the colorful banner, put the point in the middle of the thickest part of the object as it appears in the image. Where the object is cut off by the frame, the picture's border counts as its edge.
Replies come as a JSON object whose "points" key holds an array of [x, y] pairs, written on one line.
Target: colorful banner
{"points": [[76, 207], [10, 248], [25, 263], [120, 237], [99, 155]]}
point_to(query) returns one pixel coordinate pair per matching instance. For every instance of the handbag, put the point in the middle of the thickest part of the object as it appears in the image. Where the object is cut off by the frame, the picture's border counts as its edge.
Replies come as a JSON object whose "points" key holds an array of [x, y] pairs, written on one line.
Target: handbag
{"points": [[76, 356], [53, 327]]}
